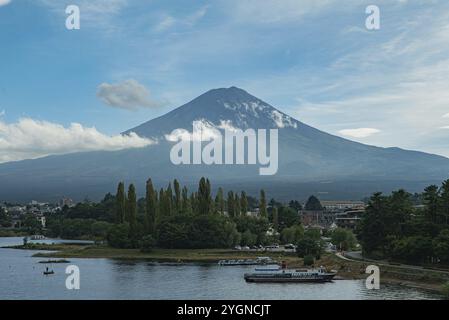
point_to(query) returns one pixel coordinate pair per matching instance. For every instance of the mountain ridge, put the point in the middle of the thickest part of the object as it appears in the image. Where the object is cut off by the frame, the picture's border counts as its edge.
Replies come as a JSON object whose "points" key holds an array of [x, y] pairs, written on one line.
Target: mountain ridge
{"points": [[306, 155]]}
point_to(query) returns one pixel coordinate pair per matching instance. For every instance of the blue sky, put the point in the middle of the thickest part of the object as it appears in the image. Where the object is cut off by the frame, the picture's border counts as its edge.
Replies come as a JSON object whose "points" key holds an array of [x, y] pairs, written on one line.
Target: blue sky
{"points": [[314, 60]]}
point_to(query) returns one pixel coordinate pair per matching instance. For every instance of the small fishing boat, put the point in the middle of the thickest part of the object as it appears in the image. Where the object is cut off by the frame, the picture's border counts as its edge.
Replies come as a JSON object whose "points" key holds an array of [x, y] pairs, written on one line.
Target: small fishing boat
{"points": [[284, 275], [48, 272]]}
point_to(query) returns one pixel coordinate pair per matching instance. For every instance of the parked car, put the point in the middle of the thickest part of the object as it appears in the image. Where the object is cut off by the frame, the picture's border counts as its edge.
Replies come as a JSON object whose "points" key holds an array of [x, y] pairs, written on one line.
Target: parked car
{"points": [[237, 248]]}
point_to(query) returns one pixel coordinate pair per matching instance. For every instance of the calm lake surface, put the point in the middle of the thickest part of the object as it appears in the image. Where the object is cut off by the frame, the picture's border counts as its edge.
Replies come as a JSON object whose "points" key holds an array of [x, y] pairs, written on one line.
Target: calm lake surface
{"points": [[21, 278]]}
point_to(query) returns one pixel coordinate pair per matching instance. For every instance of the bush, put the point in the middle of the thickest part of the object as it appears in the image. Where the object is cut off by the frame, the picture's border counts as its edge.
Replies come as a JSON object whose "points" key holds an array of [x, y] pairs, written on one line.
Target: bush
{"points": [[307, 246], [309, 260], [147, 244], [118, 236]]}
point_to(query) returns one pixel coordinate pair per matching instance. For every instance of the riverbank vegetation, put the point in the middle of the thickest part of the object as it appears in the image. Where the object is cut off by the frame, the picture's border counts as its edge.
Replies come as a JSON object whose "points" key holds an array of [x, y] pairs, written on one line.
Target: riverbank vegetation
{"points": [[174, 217], [393, 228]]}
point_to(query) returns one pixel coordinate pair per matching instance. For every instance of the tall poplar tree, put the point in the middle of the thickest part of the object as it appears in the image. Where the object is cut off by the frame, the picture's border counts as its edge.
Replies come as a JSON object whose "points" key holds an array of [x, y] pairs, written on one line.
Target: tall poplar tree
{"points": [[243, 203], [230, 204], [263, 204], [219, 201], [150, 207], [120, 207], [132, 212], [204, 197]]}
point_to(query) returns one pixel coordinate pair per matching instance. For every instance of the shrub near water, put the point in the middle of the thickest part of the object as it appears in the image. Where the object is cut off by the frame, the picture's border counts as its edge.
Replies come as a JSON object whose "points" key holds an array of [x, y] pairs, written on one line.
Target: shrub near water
{"points": [[206, 231]]}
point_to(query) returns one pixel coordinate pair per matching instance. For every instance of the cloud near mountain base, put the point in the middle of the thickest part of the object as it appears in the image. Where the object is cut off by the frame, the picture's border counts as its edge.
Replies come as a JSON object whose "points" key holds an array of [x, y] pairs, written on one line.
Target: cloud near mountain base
{"points": [[29, 139]]}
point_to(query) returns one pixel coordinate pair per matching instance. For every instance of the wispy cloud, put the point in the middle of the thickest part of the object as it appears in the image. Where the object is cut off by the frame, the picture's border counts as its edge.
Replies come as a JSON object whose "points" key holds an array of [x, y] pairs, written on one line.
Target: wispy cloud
{"points": [[29, 139], [168, 21], [359, 132], [129, 95], [4, 2]]}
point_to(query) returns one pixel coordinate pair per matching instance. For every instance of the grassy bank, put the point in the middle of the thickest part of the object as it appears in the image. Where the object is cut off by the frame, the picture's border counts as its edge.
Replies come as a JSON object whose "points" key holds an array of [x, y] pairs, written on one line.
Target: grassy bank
{"points": [[12, 233]]}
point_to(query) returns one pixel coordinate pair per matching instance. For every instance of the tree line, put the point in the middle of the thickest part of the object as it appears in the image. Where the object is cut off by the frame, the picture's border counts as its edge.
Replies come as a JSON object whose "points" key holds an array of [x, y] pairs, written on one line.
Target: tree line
{"points": [[173, 217], [394, 227]]}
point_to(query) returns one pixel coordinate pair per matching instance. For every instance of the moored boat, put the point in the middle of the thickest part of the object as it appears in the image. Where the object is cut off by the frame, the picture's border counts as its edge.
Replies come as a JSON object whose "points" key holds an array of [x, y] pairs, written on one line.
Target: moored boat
{"points": [[290, 275]]}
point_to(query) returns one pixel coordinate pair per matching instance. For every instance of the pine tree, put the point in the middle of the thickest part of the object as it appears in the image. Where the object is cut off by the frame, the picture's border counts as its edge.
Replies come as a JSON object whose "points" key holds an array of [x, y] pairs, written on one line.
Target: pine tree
{"points": [[444, 202], [150, 206], [263, 204], [431, 200], [243, 203], [120, 203]]}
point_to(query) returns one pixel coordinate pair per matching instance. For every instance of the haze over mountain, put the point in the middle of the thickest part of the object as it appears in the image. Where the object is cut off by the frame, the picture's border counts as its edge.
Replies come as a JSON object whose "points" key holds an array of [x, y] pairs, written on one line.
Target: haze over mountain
{"points": [[310, 160]]}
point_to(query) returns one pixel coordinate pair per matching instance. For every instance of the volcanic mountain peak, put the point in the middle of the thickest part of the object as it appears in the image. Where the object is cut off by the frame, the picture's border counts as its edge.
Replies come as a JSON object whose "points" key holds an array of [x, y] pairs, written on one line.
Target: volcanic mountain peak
{"points": [[231, 105]]}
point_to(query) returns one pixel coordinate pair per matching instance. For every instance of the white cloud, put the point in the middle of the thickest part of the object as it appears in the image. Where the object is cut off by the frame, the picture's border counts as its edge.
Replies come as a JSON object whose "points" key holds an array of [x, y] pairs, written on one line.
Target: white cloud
{"points": [[29, 139], [168, 21], [359, 132], [446, 115], [129, 95], [4, 2], [165, 23]]}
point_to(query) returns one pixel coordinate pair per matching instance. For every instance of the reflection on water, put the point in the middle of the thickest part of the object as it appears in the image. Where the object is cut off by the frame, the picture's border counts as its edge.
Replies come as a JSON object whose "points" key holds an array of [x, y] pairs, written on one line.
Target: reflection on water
{"points": [[21, 278]]}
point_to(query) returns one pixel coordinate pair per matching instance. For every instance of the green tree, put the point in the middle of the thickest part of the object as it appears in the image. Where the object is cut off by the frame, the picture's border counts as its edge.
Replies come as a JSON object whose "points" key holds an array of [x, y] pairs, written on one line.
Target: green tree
{"points": [[230, 204], [204, 196], [441, 246], [344, 239], [307, 246], [243, 203], [185, 202], [147, 244], [431, 201], [237, 207], [177, 201], [132, 213], [219, 201], [118, 236], [313, 204], [292, 234], [248, 238], [275, 219], [120, 203], [444, 202], [263, 204], [150, 207], [372, 226]]}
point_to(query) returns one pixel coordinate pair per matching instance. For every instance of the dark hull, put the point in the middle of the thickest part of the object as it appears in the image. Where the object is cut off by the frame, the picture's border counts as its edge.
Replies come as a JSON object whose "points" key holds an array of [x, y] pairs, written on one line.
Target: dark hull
{"points": [[286, 279]]}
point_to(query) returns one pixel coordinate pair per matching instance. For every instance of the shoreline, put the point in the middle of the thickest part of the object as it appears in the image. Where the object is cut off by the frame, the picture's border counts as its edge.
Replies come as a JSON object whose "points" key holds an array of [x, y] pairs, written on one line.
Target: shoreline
{"points": [[347, 269]]}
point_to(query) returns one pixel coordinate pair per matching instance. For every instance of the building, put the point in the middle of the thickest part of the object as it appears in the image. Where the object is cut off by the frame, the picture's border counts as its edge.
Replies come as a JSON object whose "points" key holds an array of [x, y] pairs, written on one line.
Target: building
{"points": [[322, 218], [66, 202], [349, 219], [342, 205]]}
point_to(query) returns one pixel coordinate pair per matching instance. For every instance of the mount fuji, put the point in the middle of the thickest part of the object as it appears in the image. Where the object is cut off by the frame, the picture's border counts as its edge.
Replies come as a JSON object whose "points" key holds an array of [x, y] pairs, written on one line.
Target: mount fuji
{"points": [[310, 161]]}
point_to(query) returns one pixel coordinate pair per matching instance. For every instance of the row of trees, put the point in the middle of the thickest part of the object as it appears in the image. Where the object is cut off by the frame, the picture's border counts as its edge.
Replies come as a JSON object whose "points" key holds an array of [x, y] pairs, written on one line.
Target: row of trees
{"points": [[394, 228], [173, 217]]}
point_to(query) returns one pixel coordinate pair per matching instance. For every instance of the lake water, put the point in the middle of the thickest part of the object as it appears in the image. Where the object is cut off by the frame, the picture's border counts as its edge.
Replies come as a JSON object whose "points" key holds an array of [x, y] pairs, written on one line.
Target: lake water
{"points": [[21, 278]]}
